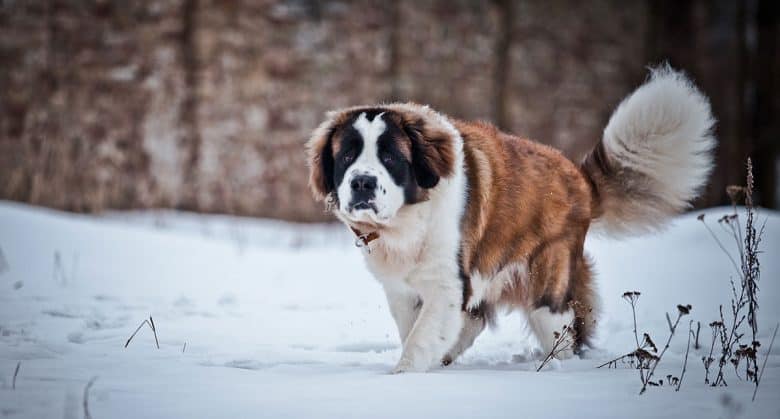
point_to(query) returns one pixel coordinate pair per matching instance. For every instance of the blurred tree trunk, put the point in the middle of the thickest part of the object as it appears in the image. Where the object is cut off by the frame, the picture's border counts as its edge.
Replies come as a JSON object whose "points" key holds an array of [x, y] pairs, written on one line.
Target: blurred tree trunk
{"points": [[503, 44], [767, 103], [393, 68], [670, 34], [190, 135]]}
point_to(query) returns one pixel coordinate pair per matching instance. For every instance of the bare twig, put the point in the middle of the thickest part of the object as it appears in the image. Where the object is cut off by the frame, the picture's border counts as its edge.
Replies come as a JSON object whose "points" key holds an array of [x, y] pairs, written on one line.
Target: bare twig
{"points": [[16, 372], [614, 361], [722, 247], [745, 297], [184, 348], [136, 331], [643, 357], [763, 367], [149, 322], [632, 297], [682, 310], [751, 273], [728, 340], [154, 330], [642, 354], [564, 340], [715, 326], [696, 344], [687, 350], [85, 401]]}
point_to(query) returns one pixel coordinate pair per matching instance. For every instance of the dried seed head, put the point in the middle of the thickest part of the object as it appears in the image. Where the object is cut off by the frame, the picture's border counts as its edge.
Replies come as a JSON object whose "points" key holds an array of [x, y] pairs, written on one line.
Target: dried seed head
{"points": [[735, 192], [649, 343], [684, 309]]}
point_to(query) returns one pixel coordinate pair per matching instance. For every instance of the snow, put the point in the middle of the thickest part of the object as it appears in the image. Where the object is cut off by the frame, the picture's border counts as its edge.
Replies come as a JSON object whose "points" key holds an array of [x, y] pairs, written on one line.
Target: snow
{"points": [[283, 320]]}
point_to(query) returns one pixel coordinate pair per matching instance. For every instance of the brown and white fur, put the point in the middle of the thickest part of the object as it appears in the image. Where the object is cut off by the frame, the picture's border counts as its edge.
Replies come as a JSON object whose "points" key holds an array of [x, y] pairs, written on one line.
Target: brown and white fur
{"points": [[468, 219]]}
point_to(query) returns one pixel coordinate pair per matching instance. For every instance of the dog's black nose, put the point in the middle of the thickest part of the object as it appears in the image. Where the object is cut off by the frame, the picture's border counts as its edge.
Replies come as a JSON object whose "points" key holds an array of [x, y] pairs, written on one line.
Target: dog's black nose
{"points": [[363, 183]]}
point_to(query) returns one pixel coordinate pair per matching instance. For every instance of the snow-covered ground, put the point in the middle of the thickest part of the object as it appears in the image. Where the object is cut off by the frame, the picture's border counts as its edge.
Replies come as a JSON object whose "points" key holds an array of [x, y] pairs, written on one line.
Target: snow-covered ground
{"points": [[283, 320]]}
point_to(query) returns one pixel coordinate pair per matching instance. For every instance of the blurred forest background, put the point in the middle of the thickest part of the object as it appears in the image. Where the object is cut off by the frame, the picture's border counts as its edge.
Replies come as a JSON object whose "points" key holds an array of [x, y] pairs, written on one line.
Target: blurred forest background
{"points": [[205, 105]]}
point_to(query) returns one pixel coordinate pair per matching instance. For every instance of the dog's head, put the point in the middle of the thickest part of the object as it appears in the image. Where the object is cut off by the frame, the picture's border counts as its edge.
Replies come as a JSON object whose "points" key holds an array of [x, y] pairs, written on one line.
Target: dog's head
{"points": [[372, 161]]}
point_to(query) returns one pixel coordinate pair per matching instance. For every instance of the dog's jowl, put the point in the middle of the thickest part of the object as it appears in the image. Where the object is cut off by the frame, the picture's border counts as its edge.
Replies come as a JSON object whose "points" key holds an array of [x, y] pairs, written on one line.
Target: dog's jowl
{"points": [[459, 219]]}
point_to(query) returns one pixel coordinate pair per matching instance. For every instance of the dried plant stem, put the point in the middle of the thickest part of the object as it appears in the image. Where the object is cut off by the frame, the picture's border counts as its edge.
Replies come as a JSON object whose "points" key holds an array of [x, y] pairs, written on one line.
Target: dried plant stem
{"points": [[723, 248], [708, 360], [751, 272], [672, 328], [687, 350], [632, 297], [136, 331], [633, 313], [16, 373], [614, 361], [563, 341], [727, 344], [763, 367], [746, 297], [85, 400], [149, 322], [154, 331]]}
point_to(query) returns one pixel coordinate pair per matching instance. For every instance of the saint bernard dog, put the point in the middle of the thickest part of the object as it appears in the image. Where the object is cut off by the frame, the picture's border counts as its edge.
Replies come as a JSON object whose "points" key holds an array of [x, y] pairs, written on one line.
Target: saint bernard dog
{"points": [[458, 219]]}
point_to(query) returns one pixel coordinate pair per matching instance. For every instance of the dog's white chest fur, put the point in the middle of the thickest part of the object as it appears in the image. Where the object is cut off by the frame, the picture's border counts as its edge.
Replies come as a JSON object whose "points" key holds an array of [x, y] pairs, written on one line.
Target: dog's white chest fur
{"points": [[398, 251]]}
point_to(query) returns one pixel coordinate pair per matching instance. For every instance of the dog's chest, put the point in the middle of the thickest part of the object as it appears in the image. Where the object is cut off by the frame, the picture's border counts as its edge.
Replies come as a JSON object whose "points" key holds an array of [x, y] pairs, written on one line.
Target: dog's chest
{"points": [[390, 263], [395, 257]]}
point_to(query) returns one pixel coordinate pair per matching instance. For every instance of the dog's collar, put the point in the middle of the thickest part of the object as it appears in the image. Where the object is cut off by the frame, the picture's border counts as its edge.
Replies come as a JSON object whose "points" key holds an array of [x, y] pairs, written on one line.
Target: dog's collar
{"points": [[363, 239]]}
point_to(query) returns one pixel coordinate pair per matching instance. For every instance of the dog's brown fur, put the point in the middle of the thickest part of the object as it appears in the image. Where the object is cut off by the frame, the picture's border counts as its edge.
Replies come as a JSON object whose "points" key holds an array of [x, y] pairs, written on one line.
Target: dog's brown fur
{"points": [[528, 204]]}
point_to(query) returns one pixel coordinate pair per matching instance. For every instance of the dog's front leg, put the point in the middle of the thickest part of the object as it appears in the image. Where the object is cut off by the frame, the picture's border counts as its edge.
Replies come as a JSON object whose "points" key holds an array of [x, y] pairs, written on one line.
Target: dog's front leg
{"points": [[404, 305], [438, 323]]}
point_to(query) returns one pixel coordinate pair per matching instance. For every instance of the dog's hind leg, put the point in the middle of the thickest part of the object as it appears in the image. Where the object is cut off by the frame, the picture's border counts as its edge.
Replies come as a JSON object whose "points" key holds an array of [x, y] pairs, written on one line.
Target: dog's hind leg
{"points": [[549, 315], [564, 308]]}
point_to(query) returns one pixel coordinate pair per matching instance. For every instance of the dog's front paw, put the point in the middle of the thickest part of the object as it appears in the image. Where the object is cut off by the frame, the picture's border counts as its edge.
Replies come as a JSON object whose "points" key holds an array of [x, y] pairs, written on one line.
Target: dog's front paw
{"points": [[447, 360], [408, 365]]}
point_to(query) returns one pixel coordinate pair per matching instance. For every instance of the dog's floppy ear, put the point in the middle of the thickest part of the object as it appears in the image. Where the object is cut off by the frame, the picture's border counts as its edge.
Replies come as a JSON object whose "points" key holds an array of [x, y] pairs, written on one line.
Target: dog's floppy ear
{"points": [[433, 152], [320, 158]]}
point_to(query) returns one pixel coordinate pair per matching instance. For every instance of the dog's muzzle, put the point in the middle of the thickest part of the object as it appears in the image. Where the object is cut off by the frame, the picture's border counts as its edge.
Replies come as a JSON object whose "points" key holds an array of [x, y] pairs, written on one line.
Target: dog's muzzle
{"points": [[363, 192]]}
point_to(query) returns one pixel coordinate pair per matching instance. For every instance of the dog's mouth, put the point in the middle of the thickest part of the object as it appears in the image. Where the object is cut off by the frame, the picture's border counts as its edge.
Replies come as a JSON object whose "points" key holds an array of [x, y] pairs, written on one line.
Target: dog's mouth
{"points": [[362, 206]]}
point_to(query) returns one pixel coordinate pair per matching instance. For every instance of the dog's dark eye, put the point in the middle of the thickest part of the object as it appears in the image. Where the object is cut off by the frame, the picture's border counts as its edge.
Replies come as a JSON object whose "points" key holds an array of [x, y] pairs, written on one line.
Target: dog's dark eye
{"points": [[348, 158], [387, 158]]}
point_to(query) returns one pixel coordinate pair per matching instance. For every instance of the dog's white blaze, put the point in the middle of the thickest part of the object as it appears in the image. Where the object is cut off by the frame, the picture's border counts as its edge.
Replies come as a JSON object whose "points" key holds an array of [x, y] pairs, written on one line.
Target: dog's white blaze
{"points": [[370, 130], [389, 197]]}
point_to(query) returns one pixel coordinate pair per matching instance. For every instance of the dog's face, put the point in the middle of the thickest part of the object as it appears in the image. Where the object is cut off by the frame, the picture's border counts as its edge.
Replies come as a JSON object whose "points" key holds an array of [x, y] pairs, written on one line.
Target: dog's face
{"points": [[372, 169], [374, 161]]}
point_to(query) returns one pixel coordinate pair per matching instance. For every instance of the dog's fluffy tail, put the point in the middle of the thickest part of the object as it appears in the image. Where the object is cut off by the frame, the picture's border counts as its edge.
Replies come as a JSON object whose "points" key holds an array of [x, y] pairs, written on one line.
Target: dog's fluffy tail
{"points": [[654, 157]]}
